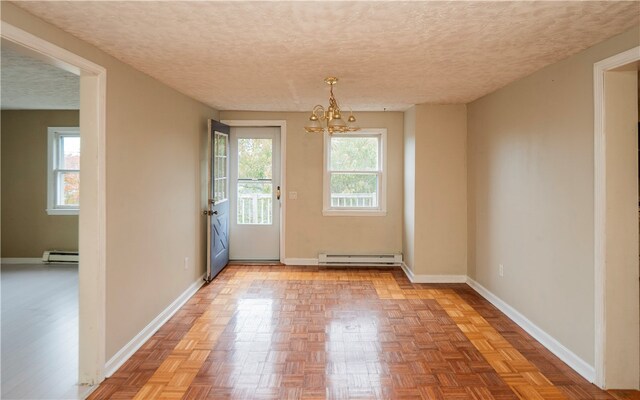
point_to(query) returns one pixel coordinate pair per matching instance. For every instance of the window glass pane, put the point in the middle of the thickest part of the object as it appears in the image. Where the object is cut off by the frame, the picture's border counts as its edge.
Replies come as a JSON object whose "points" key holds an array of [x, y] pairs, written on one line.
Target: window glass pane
{"points": [[220, 189], [68, 193], [222, 145], [354, 154], [69, 152], [354, 190], [254, 158], [255, 203], [220, 168]]}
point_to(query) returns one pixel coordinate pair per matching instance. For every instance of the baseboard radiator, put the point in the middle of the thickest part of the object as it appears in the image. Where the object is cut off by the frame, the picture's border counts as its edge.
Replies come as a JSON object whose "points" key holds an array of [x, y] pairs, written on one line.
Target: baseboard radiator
{"points": [[360, 260], [57, 256]]}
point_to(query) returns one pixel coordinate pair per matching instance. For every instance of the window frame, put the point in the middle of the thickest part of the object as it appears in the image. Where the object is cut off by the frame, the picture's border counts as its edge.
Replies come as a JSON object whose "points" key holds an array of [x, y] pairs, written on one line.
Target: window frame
{"points": [[54, 134], [381, 210]]}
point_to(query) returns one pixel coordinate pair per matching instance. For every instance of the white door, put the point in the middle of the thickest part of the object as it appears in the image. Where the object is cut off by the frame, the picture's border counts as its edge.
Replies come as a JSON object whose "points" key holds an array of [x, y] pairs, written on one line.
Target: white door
{"points": [[255, 193]]}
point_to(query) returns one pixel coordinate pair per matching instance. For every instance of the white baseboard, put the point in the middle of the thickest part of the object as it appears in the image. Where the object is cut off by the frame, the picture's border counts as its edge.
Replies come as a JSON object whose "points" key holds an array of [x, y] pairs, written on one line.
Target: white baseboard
{"points": [[566, 355], [127, 351], [417, 278], [300, 261], [21, 260]]}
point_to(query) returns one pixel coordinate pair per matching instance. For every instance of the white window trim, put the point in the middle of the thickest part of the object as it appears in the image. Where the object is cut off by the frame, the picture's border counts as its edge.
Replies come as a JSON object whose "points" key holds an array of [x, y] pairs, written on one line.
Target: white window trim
{"points": [[52, 134], [381, 210]]}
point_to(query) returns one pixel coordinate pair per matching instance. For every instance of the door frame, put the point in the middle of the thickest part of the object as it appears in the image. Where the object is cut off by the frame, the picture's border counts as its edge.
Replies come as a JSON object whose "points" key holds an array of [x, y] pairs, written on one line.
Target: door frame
{"points": [[600, 206], [92, 216], [282, 124]]}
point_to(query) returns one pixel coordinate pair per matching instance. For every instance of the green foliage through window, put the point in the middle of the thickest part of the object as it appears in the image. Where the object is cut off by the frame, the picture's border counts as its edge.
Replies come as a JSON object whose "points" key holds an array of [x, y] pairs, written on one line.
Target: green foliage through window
{"points": [[354, 171]]}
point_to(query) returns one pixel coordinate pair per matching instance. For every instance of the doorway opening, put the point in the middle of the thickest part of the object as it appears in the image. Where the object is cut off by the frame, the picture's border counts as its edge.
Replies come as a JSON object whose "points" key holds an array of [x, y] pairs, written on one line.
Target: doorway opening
{"points": [[256, 190], [92, 196], [616, 233], [40, 196]]}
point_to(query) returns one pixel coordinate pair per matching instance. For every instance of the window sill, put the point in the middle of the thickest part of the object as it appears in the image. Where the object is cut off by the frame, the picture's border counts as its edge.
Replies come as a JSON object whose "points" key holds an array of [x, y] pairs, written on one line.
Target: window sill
{"points": [[61, 211], [354, 213]]}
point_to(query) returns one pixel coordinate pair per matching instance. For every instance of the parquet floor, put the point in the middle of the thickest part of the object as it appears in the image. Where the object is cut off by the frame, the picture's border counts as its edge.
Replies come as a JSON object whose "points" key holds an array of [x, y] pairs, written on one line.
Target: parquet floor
{"points": [[274, 332]]}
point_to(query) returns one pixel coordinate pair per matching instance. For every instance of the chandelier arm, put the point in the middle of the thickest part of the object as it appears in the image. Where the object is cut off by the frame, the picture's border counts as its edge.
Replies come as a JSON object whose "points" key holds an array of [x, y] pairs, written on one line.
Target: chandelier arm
{"points": [[319, 109], [319, 113]]}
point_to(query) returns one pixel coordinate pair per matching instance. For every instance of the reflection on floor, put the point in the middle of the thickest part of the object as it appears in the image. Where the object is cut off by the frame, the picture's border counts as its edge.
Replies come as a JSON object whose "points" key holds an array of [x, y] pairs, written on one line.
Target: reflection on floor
{"points": [[625, 394], [39, 331], [277, 332]]}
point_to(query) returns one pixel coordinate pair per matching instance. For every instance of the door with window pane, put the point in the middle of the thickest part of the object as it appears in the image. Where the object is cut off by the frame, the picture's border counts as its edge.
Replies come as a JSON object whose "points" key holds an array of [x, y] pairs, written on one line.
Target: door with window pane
{"points": [[255, 193], [217, 211]]}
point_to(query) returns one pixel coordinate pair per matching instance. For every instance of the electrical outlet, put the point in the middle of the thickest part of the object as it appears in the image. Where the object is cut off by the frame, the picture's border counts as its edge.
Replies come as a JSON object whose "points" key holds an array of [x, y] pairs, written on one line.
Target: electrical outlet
{"points": [[293, 195], [501, 270], [186, 263]]}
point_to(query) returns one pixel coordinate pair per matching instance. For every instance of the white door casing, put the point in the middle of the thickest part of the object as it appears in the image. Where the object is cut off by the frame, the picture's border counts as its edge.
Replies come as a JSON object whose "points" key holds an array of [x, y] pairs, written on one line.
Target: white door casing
{"points": [[92, 218], [613, 303]]}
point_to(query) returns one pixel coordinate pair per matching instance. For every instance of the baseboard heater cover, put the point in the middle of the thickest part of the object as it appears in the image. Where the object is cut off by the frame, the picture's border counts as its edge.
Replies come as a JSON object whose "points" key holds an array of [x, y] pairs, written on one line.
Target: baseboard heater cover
{"points": [[58, 256], [358, 259]]}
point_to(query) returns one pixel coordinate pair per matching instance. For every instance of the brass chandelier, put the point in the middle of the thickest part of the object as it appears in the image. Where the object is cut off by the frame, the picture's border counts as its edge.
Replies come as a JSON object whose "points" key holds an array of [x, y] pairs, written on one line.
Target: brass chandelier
{"points": [[330, 120]]}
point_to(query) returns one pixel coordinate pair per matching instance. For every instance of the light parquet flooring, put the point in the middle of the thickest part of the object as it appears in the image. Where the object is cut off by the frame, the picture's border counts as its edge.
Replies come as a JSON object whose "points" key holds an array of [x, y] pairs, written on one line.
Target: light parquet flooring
{"points": [[274, 332]]}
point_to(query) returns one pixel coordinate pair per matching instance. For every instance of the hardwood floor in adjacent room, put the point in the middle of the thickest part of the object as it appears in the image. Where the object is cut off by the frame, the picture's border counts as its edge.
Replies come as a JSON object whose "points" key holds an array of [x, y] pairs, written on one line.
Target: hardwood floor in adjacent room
{"points": [[39, 332], [273, 332]]}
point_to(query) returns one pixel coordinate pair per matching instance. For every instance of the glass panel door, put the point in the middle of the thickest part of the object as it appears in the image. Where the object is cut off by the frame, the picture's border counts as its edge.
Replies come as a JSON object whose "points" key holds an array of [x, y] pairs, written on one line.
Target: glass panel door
{"points": [[254, 198]]}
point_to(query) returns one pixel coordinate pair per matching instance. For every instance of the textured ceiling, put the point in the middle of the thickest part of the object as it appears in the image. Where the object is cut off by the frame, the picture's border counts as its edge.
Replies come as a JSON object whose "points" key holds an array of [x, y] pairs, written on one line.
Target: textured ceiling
{"points": [[275, 55], [30, 84]]}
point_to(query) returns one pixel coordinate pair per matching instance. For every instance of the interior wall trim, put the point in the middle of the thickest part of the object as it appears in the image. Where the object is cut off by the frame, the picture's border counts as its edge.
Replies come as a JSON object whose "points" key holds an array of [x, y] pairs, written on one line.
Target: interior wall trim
{"points": [[567, 356], [424, 278], [145, 334], [300, 261], [92, 225], [21, 260], [282, 124], [600, 205]]}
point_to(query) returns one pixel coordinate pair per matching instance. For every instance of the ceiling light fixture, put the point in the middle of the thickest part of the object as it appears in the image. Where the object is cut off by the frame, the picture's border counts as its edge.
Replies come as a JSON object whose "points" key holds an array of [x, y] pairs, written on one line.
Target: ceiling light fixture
{"points": [[330, 120]]}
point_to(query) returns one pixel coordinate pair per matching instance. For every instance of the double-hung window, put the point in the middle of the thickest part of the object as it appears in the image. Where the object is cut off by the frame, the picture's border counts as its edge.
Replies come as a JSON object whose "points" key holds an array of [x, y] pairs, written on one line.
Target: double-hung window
{"points": [[63, 178], [355, 178]]}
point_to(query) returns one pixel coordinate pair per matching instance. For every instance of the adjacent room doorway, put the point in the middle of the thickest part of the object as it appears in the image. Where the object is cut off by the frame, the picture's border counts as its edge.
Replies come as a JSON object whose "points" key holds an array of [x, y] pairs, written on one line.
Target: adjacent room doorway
{"points": [[255, 193], [617, 325]]}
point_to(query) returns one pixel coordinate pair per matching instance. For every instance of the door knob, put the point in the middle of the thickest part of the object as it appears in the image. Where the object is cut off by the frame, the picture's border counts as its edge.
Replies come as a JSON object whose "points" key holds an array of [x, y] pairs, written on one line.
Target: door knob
{"points": [[278, 193], [207, 212]]}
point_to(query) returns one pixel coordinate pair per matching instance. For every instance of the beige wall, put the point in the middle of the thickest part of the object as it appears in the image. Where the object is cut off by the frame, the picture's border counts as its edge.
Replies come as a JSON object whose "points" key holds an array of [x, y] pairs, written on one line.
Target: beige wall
{"points": [[530, 186], [622, 349], [437, 142], [308, 232], [155, 157], [27, 229]]}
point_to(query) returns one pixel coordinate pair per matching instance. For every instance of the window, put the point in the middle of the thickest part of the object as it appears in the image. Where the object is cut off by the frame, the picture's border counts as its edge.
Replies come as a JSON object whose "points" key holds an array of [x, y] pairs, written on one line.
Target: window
{"points": [[255, 183], [63, 194], [355, 173]]}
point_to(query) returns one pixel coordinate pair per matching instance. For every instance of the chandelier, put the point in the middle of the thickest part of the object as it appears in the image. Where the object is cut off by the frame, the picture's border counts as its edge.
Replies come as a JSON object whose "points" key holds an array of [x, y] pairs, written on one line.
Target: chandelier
{"points": [[330, 120]]}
